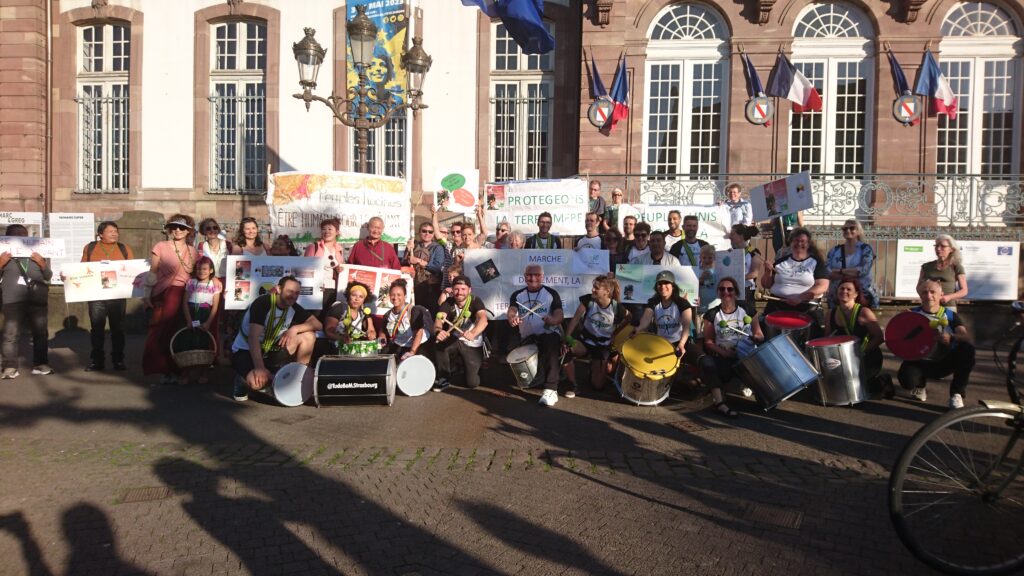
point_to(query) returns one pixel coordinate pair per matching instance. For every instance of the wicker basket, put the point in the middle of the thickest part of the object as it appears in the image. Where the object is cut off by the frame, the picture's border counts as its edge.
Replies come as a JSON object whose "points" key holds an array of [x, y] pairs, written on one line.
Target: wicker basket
{"points": [[194, 358]]}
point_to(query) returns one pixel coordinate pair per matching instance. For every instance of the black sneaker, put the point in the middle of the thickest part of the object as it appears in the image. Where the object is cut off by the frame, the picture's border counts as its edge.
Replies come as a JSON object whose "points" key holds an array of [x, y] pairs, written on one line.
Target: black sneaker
{"points": [[94, 367], [441, 385], [119, 366]]}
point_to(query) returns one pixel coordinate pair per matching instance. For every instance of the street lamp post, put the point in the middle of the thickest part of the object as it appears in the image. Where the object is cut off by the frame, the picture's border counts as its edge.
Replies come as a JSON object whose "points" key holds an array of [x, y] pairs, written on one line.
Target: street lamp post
{"points": [[362, 107]]}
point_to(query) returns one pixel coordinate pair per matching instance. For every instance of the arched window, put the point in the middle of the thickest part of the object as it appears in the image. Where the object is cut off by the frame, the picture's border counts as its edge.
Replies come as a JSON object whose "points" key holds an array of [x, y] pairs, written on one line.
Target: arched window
{"points": [[980, 56], [686, 92], [832, 48]]}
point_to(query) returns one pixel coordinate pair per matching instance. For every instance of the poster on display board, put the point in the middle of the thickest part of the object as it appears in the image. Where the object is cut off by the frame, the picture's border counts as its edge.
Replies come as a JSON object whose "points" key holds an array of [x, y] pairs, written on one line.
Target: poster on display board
{"points": [[106, 280], [520, 203], [299, 201], [249, 277], [378, 280], [457, 190], [782, 197], [991, 267], [31, 220], [496, 274], [77, 229], [24, 246], [713, 221], [637, 282]]}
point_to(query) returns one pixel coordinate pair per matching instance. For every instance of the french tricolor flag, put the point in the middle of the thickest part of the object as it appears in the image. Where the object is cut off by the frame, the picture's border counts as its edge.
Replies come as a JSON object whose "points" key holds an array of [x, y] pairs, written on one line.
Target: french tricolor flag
{"points": [[785, 81], [931, 83]]}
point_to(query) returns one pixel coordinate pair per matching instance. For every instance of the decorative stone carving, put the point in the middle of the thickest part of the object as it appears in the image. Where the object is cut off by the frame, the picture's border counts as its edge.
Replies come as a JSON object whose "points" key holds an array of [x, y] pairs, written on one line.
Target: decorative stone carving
{"points": [[910, 8], [234, 4], [98, 5], [604, 11], [764, 8]]}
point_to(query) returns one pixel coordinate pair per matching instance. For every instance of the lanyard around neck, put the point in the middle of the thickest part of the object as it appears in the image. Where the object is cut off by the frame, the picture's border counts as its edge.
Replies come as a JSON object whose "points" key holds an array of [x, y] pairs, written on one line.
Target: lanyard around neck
{"points": [[270, 336]]}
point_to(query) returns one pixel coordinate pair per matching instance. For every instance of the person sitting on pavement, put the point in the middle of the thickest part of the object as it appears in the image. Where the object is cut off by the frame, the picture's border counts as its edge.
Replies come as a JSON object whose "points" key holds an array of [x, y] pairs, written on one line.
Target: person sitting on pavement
{"points": [[848, 317], [668, 313], [537, 311], [656, 255], [459, 332], [956, 350], [107, 247], [26, 294], [688, 250], [596, 320], [372, 250], [275, 331], [406, 326], [725, 326], [350, 320], [674, 234], [333, 254], [543, 239], [641, 236], [592, 239], [427, 258]]}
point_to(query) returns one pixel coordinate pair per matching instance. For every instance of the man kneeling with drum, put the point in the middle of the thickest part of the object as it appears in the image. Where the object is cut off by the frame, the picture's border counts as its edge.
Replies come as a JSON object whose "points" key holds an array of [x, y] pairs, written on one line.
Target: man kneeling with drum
{"points": [[954, 355], [727, 328], [274, 331], [537, 311], [460, 325]]}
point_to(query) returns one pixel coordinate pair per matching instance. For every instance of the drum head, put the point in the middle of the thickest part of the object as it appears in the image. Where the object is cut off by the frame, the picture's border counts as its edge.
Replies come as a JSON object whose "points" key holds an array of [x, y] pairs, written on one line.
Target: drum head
{"points": [[621, 336], [650, 356], [416, 375], [909, 336], [788, 320], [831, 341], [293, 384], [521, 354]]}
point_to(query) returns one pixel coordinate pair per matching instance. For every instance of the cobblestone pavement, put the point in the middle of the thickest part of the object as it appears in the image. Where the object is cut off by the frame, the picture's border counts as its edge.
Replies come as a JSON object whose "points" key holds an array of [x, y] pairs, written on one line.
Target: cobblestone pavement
{"points": [[106, 474]]}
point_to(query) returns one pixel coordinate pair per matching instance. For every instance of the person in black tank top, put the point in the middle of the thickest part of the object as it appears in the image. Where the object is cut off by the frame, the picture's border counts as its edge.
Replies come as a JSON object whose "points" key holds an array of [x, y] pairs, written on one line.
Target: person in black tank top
{"points": [[850, 318]]}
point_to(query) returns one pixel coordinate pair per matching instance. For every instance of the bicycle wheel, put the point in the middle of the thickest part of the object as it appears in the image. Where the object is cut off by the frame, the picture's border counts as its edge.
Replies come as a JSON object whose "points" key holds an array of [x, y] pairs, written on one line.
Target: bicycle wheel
{"points": [[955, 497]]}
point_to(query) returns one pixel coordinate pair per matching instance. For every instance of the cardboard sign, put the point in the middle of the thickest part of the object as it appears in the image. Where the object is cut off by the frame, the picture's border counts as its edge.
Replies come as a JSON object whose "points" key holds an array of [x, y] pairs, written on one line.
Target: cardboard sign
{"points": [[457, 190], [249, 277], [107, 280], [378, 280], [782, 197]]}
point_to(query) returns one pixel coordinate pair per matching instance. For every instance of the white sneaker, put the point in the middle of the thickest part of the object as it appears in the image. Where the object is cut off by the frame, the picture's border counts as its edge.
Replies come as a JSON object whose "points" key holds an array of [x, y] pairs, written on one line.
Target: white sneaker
{"points": [[956, 401], [10, 374], [920, 394], [42, 369], [548, 398]]}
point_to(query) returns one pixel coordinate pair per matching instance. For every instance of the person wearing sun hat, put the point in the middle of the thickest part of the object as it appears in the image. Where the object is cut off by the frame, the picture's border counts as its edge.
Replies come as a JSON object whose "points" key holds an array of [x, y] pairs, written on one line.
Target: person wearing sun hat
{"points": [[459, 330], [163, 290]]}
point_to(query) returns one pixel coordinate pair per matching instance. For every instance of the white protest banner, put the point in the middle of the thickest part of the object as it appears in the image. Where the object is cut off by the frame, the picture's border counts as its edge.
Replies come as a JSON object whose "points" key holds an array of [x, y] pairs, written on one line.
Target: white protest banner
{"points": [[24, 246], [496, 274], [991, 267], [713, 221], [778, 198], [378, 280], [521, 202], [457, 190], [249, 277], [77, 229], [637, 282], [107, 280], [31, 220], [298, 202], [590, 261]]}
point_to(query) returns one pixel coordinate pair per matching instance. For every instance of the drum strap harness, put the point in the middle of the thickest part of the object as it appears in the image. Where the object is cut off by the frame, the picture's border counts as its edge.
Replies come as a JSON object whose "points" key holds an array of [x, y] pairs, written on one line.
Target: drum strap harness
{"points": [[850, 323], [463, 313], [689, 253], [275, 326], [398, 323]]}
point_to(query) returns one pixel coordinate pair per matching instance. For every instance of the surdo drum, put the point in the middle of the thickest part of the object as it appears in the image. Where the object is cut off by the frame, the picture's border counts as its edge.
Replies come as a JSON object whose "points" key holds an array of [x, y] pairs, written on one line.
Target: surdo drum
{"points": [[292, 385], [355, 380], [648, 364], [776, 371], [523, 361], [838, 365], [796, 324]]}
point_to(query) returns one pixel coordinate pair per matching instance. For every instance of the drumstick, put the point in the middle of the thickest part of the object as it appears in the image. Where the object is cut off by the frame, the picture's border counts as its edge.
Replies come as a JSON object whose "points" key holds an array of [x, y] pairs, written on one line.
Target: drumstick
{"points": [[454, 327], [810, 302], [650, 359], [529, 310], [737, 330]]}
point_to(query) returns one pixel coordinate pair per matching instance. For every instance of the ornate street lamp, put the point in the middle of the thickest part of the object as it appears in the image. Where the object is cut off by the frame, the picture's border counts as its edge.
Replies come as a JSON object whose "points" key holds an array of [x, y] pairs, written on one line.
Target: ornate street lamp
{"points": [[361, 108]]}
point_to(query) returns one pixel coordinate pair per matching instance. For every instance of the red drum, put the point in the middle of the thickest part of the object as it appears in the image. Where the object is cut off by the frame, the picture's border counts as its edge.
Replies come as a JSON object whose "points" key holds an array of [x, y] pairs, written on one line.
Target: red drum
{"points": [[796, 324], [910, 336]]}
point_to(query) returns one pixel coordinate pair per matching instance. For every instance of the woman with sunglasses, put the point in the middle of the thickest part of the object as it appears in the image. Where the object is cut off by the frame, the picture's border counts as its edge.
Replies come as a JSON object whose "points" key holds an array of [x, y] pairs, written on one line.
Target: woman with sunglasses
{"points": [[848, 318], [948, 268], [725, 326], [797, 279], [214, 247], [248, 240], [327, 247], [611, 211], [853, 259], [502, 236], [173, 261], [616, 255]]}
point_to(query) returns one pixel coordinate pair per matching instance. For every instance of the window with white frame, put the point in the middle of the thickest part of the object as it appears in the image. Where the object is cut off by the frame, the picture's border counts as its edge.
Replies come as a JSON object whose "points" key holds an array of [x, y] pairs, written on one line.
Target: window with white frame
{"points": [[102, 98], [687, 89], [238, 97], [832, 48], [981, 58], [521, 96], [386, 154]]}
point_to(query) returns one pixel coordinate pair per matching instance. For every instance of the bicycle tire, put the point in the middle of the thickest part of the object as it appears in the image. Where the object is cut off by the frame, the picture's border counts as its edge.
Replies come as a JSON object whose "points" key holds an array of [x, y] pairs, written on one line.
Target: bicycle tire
{"points": [[942, 499]]}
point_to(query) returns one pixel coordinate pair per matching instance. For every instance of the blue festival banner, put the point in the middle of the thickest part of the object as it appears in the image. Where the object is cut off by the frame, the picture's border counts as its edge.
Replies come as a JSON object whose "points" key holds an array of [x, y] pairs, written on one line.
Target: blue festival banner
{"points": [[385, 72]]}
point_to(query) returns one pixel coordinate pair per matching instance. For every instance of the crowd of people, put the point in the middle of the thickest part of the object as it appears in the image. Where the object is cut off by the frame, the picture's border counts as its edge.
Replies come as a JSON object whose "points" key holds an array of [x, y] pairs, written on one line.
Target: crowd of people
{"points": [[185, 288]]}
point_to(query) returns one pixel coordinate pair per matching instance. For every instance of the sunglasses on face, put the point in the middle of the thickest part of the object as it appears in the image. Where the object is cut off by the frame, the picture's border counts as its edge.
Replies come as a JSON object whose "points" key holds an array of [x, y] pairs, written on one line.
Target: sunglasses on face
{"points": [[426, 231], [849, 228], [173, 227], [726, 289]]}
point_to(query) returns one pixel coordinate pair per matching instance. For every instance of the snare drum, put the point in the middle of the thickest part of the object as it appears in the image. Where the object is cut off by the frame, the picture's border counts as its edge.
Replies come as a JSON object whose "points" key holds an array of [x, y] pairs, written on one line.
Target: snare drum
{"points": [[838, 365], [776, 371], [355, 380], [648, 364], [910, 336], [796, 324], [292, 385], [359, 348], [416, 375], [745, 347], [523, 361]]}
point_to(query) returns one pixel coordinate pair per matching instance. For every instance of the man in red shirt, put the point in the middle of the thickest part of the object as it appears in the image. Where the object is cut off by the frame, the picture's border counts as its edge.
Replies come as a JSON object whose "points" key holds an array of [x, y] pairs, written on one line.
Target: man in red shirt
{"points": [[372, 251]]}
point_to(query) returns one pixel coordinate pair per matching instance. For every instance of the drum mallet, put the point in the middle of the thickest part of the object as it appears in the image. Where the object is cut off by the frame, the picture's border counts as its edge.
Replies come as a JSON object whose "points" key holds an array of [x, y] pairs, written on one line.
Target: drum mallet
{"points": [[736, 330], [440, 316], [529, 310]]}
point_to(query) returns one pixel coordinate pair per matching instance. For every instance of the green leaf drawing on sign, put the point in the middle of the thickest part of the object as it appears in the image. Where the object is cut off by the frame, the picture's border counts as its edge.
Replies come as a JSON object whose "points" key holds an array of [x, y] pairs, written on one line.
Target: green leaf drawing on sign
{"points": [[453, 182]]}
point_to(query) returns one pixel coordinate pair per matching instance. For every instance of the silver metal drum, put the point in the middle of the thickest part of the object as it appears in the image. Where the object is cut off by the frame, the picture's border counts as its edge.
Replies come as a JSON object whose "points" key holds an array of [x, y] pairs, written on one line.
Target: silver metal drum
{"points": [[776, 371], [839, 366]]}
